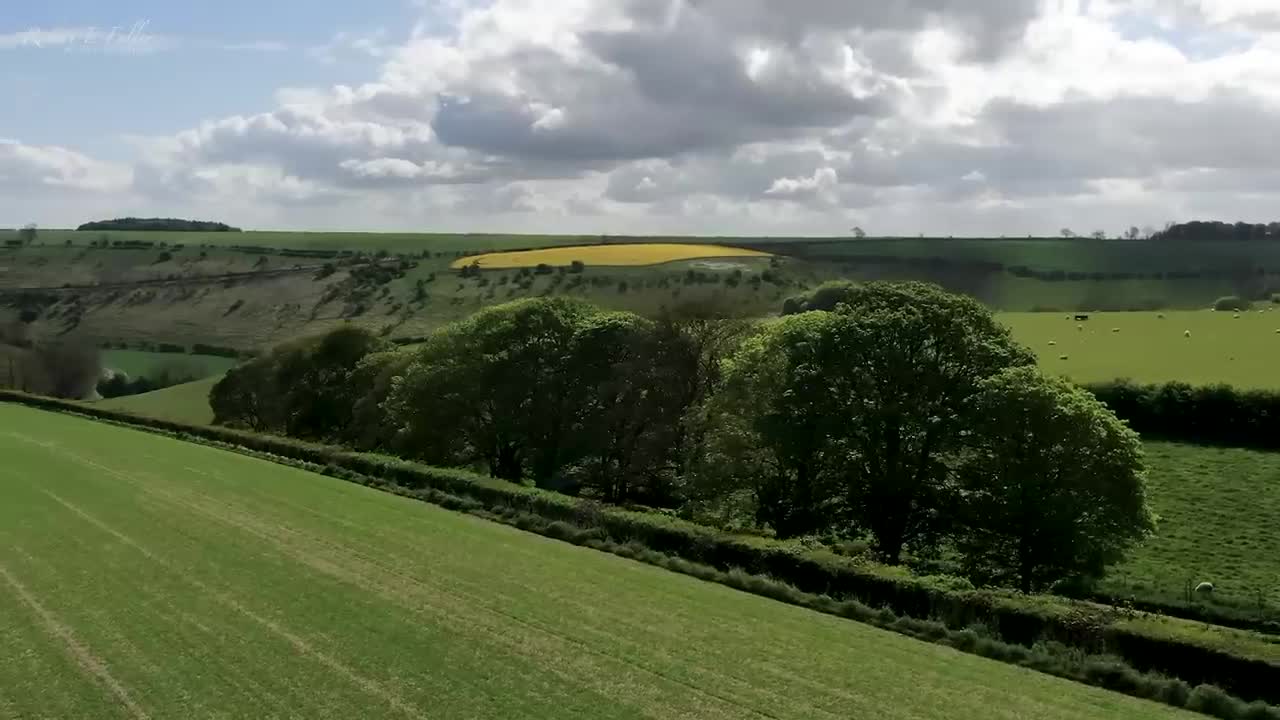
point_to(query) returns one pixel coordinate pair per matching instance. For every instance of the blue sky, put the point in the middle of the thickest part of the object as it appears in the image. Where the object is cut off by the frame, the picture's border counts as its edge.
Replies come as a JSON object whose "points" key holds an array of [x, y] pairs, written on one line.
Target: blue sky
{"points": [[203, 64], [979, 117]]}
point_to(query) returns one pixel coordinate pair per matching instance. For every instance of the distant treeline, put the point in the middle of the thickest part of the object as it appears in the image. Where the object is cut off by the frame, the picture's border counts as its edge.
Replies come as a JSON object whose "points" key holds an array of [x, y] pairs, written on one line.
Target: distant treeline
{"points": [[1201, 231], [157, 224]]}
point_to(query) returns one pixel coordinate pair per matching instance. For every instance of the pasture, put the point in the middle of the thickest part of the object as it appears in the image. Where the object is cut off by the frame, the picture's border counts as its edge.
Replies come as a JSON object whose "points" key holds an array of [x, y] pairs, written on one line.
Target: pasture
{"points": [[1218, 510], [133, 584], [187, 403], [139, 363], [638, 255], [1154, 348]]}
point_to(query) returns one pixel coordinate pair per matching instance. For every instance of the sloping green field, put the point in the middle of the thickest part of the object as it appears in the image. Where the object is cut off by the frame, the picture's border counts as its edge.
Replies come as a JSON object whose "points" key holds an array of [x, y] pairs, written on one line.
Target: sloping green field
{"points": [[139, 363], [1152, 348], [1218, 510], [141, 577], [187, 403]]}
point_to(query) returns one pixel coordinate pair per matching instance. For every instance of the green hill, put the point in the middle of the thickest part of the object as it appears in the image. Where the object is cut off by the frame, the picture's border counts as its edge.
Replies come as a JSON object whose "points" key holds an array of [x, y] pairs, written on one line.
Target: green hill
{"points": [[187, 403], [144, 577]]}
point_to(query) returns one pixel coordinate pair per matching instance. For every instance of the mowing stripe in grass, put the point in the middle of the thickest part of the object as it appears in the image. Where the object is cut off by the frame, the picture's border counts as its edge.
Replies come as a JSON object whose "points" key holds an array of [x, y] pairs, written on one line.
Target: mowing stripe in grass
{"points": [[457, 616], [83, 656]]}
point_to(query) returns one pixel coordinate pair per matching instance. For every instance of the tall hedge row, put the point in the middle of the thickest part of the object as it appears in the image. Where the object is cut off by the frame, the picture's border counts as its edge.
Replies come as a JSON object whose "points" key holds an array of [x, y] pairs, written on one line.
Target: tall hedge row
{"points": [[1206, 415], [1012, 618]]}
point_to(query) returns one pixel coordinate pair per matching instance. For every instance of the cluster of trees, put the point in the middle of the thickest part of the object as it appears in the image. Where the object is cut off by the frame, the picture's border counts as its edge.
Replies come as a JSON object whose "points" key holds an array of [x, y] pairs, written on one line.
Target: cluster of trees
{"points": [[892, 413], [65, 369], [1200, 231], [157, 224]]}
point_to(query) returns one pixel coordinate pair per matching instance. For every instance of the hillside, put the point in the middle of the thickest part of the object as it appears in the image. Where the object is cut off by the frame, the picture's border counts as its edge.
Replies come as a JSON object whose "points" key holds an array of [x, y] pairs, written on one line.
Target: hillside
{"points": [[395, 608], [251, 289], [188, 403]]}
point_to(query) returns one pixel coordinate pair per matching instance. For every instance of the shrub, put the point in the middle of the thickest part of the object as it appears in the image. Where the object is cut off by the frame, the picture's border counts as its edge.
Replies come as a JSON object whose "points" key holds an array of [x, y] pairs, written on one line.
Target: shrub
{"points": [[1229, 303]]}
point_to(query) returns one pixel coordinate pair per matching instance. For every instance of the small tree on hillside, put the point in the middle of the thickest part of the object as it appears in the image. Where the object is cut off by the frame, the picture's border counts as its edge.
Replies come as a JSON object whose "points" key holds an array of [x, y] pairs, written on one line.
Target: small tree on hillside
{"points": [[1053, 484], [28, 234]]}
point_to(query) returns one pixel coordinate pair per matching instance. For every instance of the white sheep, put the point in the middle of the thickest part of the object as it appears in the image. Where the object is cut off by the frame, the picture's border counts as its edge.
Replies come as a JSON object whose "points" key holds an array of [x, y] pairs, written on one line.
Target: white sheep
{"points": [[1187, 334], [1204, 588], [1080, 328], [1053, 343]]}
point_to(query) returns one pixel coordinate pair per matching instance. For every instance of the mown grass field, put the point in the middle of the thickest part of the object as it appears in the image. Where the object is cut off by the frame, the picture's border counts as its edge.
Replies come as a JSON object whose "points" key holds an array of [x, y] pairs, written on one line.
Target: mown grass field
{"points": [[143, 577], [1218, 509], [139, 363], [637, 255], [1150, 349], [187, 403]]}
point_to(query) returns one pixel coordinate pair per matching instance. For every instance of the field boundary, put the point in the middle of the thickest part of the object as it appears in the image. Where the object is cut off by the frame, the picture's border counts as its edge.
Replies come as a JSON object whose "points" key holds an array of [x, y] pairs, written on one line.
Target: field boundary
{"points": [[1064, 638]]}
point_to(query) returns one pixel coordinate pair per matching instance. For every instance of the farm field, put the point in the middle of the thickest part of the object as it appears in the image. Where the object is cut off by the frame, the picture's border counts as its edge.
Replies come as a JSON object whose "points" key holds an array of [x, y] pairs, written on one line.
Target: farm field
{"points": [[1218, 510], [131, 585], [139, 363], [187, 403], [1148, 349], [607, 255]]}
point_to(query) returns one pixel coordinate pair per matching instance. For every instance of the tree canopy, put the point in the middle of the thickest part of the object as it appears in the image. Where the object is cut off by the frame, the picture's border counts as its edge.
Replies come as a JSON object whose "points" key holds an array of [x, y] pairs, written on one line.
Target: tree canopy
{"points": [[854, 411], [157, 224], [1053, 484]]}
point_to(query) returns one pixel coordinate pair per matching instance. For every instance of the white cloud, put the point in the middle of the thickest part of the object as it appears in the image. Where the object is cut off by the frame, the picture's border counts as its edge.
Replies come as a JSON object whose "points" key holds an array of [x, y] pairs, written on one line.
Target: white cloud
{"points": [[823, 180], [23, 167], [945, 116]]}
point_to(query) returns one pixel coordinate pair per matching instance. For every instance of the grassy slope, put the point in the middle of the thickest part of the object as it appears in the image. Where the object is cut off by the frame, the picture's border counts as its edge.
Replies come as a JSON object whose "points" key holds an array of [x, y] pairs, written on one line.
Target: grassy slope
{"points": [[131, 574], [1218, 510], [138, 363], [187, 403], [1148, 349]]}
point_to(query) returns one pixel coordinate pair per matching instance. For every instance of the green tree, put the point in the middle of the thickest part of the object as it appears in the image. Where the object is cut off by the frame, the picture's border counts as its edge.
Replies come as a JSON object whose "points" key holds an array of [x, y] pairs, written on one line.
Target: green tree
{"points": [[854, 414], [500, 387], [28, 234], [1053, 484], [314, 379], [249, 397], [772, 431], [824, 297]]}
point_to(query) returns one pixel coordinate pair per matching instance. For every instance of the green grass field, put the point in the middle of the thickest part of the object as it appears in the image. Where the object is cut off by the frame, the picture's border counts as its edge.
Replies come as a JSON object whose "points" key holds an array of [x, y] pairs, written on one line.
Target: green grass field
{"points": [[1148, 349], [1218, 510], [134, 583], [139, 363], [188, 403]]}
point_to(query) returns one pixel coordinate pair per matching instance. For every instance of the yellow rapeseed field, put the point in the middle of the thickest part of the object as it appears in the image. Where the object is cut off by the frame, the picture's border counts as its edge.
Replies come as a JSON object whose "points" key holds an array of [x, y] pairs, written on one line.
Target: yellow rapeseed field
{"points": [[609, 255]]}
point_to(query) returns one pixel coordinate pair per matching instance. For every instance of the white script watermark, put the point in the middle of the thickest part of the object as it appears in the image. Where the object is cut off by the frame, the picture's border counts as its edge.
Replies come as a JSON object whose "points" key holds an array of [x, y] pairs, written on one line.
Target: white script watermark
{"points": [[118, 38]]}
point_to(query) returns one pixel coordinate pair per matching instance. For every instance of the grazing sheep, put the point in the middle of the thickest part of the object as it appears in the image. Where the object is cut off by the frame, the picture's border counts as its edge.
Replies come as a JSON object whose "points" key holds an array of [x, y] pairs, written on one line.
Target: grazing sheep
{"points": [[1115, 330], [1160, 316], [1187, 334], [1080, 328], [1064, 357], [1204, 588], [1236, 316], [1053, 343]]}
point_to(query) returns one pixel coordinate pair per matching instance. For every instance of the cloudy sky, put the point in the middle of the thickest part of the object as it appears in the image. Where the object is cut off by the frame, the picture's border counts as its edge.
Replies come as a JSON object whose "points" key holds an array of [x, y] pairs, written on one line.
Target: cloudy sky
{"points": [[954, 117]]}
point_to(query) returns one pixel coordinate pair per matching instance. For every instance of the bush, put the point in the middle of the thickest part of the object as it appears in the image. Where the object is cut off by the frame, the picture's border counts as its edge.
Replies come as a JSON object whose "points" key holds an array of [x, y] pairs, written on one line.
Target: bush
{"points": [[1207, 415], [1229, 303]]}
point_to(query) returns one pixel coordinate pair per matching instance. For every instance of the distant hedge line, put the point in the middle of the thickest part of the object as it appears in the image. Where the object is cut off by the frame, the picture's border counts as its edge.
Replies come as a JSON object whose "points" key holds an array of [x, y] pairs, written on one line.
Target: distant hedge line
{"points": [[1012, 619], [1209, 415]]}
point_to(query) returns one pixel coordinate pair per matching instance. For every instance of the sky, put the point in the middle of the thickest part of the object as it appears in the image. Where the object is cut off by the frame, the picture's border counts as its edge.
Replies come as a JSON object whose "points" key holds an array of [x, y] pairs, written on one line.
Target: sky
{"points": [[722, 117]]}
